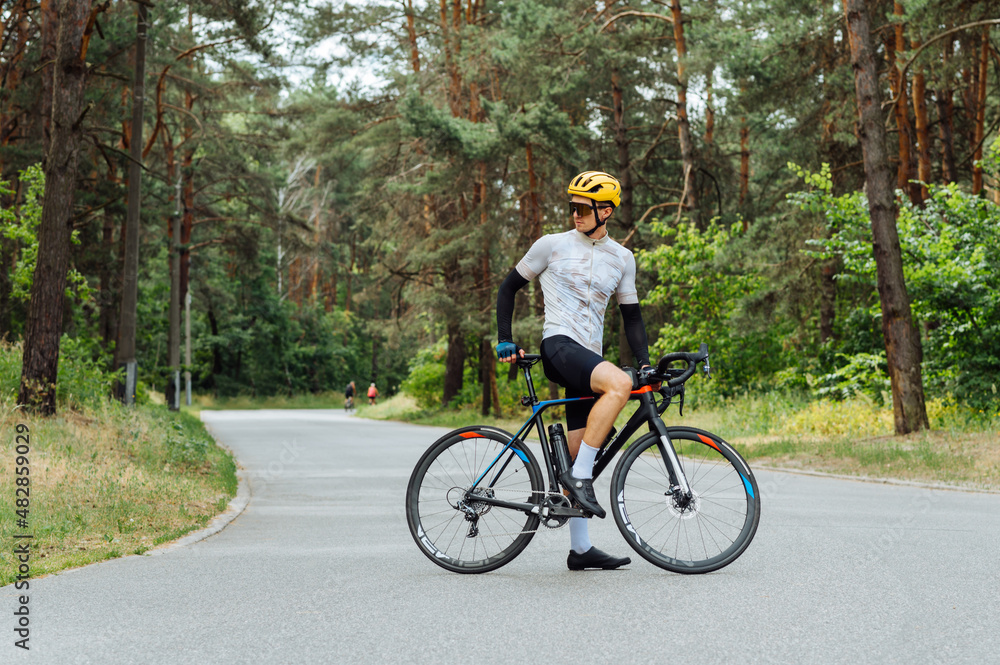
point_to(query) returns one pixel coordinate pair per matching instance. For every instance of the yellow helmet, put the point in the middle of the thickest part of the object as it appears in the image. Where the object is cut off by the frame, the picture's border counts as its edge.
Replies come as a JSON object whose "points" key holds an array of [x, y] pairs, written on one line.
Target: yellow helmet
{"points": [[598, 186]]}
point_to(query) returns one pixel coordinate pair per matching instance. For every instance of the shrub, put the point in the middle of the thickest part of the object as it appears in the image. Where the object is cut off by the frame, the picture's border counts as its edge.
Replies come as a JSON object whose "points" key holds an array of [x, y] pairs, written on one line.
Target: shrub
{"points": [[81, 381], [951, 250]]}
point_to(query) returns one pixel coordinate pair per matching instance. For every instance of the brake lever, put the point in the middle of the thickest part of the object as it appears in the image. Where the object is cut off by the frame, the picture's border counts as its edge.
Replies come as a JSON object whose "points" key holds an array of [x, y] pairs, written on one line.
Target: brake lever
{"points": [[645, 373], [708, 369]]}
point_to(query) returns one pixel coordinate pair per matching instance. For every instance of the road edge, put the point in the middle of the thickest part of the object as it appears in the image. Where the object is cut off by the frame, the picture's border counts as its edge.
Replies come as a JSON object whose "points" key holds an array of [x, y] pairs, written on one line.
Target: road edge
{"points": [[235, 508], [876, 480]]}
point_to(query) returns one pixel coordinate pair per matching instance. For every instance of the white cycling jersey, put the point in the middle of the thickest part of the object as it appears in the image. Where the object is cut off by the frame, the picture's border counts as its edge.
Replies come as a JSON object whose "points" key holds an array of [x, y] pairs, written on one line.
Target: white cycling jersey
{"points": [[578, 276]]}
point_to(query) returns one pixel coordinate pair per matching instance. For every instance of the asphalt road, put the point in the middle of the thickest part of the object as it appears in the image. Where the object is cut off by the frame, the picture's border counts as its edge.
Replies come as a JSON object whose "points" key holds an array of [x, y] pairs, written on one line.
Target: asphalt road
{"points": [[320, 568]]}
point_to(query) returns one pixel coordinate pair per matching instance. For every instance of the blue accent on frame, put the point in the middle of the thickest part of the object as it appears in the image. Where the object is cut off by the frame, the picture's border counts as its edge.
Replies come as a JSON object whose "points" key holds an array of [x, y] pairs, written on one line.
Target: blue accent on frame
{"points": [[527, 423], [541, 405]]}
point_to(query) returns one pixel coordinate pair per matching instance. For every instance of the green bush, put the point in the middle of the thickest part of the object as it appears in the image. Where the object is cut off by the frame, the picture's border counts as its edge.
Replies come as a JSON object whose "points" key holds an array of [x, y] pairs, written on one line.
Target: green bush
{"points": [[951, 250], [425, 381], [860, 374], [703, 291], [426, 384], [82, 380], [10, 371]]}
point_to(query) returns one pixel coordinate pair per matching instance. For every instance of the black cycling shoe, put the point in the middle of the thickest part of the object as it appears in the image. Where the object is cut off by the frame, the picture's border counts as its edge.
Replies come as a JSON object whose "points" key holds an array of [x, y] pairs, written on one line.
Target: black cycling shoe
{"points": [[595, 558], [581, 490]]}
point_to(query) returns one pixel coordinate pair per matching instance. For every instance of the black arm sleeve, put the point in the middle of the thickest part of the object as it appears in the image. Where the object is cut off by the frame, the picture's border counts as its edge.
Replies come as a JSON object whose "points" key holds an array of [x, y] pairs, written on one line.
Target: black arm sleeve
{"points": [[635, 332], [505, 304]]}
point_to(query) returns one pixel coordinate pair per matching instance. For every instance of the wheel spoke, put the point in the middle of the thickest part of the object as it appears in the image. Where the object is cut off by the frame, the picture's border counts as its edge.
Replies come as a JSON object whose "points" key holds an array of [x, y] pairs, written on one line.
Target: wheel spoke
{"points": [[715, 524], [442, 505]]}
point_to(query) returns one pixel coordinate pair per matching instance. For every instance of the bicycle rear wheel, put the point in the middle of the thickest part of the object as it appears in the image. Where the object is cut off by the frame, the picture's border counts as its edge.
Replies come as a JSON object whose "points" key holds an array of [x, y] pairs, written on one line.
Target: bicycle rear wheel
{"points": [[449, 526], [707, 533]]}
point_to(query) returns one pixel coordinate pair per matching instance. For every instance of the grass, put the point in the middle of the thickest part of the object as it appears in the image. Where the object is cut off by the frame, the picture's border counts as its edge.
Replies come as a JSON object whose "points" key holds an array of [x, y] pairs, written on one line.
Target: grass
{"points": [[853, 437], [324, 400], [108, 481]]}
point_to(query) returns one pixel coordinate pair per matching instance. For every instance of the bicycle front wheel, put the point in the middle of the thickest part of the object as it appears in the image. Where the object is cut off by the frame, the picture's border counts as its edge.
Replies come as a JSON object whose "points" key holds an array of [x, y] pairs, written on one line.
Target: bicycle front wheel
{"points": [[699, 535], [449, 526]]}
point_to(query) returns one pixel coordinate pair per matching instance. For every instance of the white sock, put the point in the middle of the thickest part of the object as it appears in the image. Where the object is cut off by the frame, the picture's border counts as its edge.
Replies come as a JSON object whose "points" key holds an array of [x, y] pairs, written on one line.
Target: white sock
{"points": [[579, 535], [583, 467]]}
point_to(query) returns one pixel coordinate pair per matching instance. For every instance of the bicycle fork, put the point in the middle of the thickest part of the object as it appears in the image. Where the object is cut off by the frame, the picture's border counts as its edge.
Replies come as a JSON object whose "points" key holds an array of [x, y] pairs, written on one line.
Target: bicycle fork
{"points": [[679, 489], [679, 481]]}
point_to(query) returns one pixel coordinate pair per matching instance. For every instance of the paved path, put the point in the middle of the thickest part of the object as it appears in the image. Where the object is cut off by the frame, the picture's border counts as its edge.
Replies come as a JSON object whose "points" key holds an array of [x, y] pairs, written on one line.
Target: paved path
{"points": [[320, 568]]}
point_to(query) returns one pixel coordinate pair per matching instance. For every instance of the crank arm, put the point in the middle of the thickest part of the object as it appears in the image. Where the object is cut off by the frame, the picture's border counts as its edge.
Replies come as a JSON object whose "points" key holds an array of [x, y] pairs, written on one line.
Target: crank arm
{"points": [[532, 508], [566, 511]]}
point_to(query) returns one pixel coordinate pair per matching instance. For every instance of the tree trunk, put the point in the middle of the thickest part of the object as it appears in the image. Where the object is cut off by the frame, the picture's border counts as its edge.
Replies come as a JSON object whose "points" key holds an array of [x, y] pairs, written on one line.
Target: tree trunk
{"points": [[923, 134], [709, 115], [895, 44], [187, 218], [534, 213], [903, 348], [174, 320], [125, 351], [7, 254], [411, 32], [109, 287], [488, 374], [946, 116], [11, 72], [347, 277], [10, 119], [984, 68], [744, 168], [626, 212], [487, 365], [827, 300], [690, 201], [314, 283], [63, 28], [455, 362], [832, 151], [213, 326]]}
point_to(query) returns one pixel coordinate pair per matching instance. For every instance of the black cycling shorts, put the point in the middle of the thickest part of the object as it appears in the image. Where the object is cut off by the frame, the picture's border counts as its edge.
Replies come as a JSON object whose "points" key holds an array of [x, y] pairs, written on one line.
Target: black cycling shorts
{"points": [[570, 364]]}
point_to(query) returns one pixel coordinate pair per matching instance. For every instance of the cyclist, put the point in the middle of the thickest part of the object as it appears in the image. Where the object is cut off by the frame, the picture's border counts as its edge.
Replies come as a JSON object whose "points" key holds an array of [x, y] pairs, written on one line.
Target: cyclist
{"points": [[372, 394], [578, 272], [349, 396]]}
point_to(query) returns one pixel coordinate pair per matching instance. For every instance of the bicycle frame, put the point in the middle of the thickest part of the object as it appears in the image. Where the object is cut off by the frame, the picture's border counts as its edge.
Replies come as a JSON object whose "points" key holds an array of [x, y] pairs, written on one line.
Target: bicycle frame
{"points": [[648, 412]]}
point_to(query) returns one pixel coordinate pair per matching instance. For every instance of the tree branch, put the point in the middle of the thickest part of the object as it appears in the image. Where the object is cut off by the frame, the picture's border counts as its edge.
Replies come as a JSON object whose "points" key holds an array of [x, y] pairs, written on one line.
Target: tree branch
{"points": [[902, 71], [669, 19]]}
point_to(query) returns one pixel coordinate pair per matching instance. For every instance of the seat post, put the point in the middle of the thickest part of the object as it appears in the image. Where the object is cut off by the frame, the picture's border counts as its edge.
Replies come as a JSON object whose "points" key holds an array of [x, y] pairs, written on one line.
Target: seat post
{"points": [[531, 385]]}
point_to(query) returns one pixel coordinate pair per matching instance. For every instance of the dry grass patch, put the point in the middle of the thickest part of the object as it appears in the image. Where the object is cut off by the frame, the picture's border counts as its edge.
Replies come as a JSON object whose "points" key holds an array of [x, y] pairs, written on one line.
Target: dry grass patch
{"points": [[110, 481]]}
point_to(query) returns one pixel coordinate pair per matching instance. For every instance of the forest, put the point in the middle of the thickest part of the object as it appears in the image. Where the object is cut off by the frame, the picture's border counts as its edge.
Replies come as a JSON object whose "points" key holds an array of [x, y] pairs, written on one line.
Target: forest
{"points": [[282, 197]]}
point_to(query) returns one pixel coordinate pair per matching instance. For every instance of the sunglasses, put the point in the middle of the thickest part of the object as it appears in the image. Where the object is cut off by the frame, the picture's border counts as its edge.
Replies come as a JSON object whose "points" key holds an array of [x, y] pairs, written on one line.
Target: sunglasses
{"points": [[580, 209]]}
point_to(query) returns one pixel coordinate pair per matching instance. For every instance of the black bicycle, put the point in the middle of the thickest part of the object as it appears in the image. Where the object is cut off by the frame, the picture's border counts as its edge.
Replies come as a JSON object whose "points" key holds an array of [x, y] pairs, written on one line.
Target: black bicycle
{"points": [[683, 498]]}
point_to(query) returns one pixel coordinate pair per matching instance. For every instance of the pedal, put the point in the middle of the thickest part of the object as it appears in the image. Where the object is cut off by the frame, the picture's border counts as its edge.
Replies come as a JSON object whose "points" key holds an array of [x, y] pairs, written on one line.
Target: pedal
{"points": [[569, 511]]}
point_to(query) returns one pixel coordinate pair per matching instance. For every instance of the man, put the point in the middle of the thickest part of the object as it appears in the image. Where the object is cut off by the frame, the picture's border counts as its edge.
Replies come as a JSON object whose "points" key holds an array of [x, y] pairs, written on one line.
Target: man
{"points": [[578, 271]]}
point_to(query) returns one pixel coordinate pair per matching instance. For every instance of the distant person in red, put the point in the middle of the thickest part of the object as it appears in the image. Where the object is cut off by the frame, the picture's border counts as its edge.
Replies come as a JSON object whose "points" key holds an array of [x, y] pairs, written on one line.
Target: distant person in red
{"points": [[372, 394]]}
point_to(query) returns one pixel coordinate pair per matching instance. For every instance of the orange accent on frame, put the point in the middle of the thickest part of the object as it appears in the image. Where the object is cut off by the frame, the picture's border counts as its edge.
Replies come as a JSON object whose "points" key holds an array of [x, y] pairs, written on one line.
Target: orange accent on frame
{"points": [[708, 442], [644, 389]]}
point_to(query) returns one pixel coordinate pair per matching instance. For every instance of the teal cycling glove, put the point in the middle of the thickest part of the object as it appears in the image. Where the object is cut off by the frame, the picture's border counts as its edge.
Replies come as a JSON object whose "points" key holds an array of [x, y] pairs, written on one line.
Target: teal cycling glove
{"points": [[507, 350]]}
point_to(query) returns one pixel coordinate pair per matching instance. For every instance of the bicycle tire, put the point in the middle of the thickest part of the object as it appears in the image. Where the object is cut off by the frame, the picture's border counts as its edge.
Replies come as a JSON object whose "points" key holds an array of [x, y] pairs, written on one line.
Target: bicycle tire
{"points": [[710, 533], [441, 477]]}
